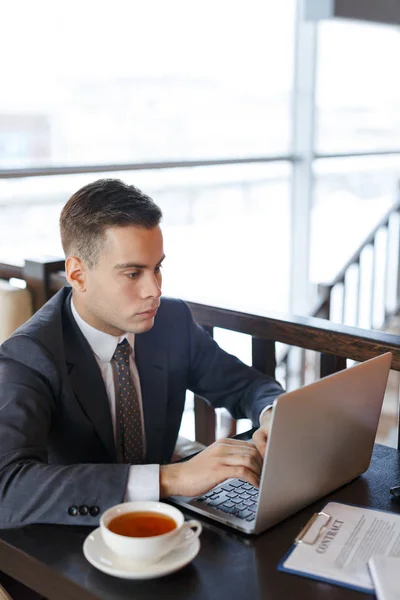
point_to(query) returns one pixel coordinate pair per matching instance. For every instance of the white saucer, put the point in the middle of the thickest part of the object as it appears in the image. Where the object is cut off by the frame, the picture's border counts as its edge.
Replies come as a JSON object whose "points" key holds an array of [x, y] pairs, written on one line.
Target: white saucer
{"points": [[101, 557]]}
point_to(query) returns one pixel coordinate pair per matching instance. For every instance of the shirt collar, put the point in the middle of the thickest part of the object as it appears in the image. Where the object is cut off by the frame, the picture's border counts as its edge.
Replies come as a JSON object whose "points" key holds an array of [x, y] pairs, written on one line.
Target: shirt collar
{"points": [[103, 344]]}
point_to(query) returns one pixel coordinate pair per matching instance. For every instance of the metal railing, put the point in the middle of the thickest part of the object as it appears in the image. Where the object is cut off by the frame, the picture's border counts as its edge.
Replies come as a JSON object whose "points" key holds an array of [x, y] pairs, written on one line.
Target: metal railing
{"points": [[391, 275]]}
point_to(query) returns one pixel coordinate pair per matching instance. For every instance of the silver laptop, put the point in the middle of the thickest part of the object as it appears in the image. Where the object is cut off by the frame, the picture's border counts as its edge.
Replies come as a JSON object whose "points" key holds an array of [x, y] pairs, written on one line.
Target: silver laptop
{"points": [[321, 437]]}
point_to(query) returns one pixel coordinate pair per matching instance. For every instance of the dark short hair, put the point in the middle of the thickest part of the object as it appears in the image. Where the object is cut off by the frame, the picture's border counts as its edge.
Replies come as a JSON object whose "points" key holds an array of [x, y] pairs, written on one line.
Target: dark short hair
{"points": [[96, 207]]}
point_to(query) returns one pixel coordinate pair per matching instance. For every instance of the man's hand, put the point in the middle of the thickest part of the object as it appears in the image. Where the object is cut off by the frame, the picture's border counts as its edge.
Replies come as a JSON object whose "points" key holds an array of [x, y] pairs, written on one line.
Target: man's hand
{"points": [[260, 436], [224, 459]]}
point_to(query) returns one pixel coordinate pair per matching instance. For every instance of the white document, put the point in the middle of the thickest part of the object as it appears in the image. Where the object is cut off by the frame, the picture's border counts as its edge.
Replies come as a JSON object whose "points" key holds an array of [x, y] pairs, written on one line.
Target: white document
{"points": [[338, 544], [385, 573]]}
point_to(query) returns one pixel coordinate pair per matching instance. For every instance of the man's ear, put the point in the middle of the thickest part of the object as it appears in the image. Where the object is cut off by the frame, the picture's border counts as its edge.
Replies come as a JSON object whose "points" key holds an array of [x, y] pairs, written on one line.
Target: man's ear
{"points": [[75, 273]]}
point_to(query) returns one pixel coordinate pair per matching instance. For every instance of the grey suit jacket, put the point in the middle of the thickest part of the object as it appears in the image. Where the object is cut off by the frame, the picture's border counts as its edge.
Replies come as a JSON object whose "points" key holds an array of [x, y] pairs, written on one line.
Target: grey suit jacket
{"points": [[57, 451]]}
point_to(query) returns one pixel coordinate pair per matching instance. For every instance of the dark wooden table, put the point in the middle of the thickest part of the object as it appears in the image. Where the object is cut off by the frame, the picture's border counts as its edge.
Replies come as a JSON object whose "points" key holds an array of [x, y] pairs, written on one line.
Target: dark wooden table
{"points": [[49, 559]]}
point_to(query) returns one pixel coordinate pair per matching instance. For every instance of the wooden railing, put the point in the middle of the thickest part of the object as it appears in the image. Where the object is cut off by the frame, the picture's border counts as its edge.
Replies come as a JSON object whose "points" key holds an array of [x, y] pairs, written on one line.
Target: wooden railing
{"points": [[333, 343]]}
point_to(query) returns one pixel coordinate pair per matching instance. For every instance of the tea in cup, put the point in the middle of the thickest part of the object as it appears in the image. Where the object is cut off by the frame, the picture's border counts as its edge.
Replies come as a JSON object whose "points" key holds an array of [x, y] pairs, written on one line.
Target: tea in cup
{"points": [[145, 531]]}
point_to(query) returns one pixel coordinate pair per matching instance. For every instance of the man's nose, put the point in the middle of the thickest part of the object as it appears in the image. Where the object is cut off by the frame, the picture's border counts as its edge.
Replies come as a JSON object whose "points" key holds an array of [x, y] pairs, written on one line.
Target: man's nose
{"points": [[151, 286]]}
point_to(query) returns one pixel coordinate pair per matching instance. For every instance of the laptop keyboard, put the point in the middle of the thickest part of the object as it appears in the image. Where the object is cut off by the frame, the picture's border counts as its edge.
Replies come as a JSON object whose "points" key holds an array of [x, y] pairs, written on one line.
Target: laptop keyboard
{"points": [[236, 497]]}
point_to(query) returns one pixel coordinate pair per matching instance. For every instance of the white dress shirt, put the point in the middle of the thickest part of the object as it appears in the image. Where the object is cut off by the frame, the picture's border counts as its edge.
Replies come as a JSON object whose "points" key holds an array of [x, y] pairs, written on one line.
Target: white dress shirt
{"points": [[143, 480]]}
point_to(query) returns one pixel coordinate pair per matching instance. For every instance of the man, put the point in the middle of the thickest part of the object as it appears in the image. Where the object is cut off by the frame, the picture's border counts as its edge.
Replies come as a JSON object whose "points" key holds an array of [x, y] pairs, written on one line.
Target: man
{"points": [[92, 387]]}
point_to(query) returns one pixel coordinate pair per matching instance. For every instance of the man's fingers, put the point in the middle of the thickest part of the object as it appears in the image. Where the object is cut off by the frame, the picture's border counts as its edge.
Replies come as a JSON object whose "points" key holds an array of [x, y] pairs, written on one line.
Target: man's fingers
{"points": [[260, 437], [225, 450], [229, 458], [247, 461], [243, 473], [218, 462], [253, 453], [231, 442], [260, 440]]}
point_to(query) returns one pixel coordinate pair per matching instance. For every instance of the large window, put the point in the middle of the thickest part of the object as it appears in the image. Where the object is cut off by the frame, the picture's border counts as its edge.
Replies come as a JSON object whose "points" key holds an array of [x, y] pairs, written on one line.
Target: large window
{"points": [[358, 115], [358, 90], [137, 81], [222, 228], [351, 195]]}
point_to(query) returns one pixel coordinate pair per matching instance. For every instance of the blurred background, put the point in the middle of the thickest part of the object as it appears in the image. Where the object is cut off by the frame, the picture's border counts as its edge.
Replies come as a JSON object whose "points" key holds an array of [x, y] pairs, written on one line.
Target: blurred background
{"points": [[269, 136]]}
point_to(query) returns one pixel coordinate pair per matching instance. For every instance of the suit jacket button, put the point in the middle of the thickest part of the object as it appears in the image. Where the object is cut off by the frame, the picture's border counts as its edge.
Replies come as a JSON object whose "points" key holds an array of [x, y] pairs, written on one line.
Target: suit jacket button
{"points": [[94, 511], [83, 510], [73, 511]]}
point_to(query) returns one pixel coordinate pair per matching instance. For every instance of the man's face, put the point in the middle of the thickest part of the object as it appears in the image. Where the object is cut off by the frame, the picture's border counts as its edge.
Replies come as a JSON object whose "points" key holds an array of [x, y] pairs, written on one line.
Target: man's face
{"points": [[122, 293]]}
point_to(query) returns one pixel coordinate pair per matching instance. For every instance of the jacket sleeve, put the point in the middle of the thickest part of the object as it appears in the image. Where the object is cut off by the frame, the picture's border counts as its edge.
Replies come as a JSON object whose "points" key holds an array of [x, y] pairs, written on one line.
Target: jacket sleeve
{"points": [[31, 489], [223, 380]]}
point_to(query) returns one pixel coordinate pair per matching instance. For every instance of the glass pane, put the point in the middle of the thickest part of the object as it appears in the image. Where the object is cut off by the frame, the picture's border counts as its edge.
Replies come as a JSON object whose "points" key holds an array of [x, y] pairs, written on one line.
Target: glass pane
{"points": [[226, 228], [358, 90], [351, 195], [133, 81]]}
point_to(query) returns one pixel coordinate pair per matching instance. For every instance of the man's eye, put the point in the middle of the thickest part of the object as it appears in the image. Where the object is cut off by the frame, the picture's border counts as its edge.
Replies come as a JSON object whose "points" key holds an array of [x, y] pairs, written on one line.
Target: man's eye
{"points": [[158, 269], [133, 275]]}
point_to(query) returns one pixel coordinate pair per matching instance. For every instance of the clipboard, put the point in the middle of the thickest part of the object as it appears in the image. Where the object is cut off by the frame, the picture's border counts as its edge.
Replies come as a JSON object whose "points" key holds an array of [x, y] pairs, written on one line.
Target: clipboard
{"points": [[337, 542]]}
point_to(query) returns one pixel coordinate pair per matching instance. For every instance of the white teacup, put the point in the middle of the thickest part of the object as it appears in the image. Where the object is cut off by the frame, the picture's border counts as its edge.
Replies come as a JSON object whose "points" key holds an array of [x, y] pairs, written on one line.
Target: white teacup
{"points": [[147, 550]]}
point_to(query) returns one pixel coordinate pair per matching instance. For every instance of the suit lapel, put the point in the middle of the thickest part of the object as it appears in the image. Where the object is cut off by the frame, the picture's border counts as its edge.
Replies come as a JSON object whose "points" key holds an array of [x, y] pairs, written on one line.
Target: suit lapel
{"points": [[151, 363], [89, 389], [86, 380]]}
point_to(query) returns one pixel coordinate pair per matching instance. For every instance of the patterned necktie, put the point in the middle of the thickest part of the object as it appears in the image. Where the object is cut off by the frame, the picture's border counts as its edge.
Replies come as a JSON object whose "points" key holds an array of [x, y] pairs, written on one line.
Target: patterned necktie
{"points": [[128, 409]]}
